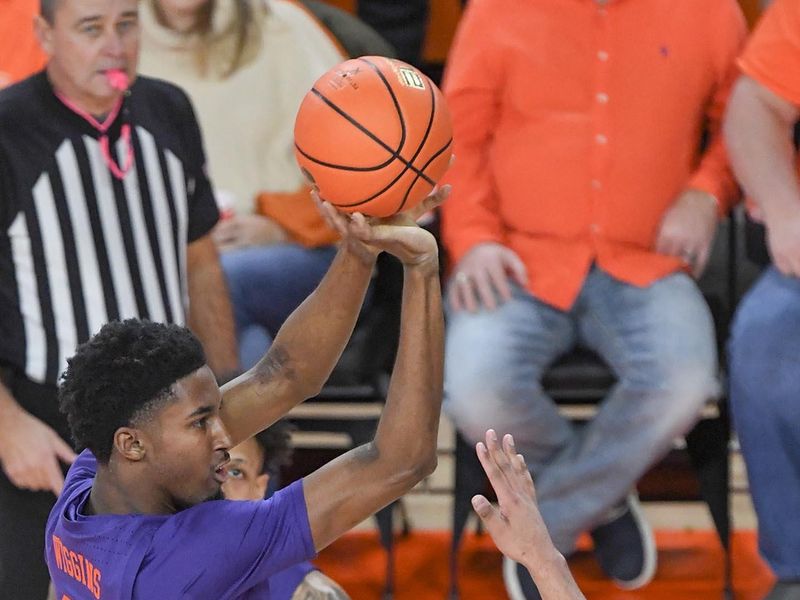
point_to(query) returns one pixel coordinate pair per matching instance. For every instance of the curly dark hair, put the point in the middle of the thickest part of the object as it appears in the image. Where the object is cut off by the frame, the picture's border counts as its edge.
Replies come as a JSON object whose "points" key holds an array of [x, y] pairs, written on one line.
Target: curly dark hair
{"points": [[275, 443], [122, 373]]}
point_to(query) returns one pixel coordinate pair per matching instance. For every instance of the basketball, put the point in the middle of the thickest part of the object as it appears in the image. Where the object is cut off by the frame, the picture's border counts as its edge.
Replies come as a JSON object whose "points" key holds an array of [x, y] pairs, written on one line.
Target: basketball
{"points": [[374, 135]]}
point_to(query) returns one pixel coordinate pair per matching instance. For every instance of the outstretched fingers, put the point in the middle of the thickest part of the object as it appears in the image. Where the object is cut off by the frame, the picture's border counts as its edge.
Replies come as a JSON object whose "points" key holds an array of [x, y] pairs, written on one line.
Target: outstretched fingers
{"points": [[491, 517], [495, 465]]}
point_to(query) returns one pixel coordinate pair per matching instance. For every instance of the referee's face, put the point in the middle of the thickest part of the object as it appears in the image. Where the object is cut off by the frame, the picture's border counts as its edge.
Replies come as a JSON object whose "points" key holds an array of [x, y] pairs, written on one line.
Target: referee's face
{"points": [[86, 39]]}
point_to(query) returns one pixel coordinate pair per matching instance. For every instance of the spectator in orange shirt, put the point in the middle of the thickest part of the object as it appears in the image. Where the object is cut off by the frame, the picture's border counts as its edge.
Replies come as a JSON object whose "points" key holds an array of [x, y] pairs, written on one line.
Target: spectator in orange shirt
{"points": [[582, 207], [765, 342], [20, 53]]}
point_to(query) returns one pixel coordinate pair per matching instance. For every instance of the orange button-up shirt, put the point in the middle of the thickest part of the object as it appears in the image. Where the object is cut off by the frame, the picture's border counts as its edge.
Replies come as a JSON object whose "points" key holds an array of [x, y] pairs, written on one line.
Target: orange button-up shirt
{"points": [[20, 54], [577, 124]]}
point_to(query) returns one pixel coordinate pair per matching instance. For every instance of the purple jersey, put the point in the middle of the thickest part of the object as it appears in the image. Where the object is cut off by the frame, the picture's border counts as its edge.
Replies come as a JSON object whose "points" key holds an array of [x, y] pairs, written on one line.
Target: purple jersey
{"points": [[283, 585], [220, 550]]}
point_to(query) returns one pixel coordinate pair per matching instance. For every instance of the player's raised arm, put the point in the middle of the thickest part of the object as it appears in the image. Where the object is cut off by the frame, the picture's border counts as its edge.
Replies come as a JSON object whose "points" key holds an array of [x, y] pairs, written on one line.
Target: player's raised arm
{"points": [[305, 350], [312, 339], [358, 483]]}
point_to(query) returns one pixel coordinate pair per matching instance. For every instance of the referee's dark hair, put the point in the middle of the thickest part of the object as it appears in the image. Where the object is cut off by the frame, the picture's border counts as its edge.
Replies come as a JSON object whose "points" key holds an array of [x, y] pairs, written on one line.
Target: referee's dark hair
{"points": [[121, 375]]}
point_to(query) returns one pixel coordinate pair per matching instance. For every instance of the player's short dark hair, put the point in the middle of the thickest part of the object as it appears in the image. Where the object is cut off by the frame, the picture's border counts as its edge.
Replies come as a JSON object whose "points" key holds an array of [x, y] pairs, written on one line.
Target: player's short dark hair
{"points": [[275, 443], [47, 8], [120, 375]]}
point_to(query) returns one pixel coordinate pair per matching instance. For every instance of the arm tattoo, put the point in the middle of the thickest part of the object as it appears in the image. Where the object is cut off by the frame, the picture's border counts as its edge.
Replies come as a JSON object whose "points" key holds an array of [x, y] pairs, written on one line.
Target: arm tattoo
{"points": [[275, 363]]}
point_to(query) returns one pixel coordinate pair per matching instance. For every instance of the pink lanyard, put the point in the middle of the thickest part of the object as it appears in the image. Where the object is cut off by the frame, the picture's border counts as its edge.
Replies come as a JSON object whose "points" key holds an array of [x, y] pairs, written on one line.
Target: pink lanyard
{"points": [[125, 135]]}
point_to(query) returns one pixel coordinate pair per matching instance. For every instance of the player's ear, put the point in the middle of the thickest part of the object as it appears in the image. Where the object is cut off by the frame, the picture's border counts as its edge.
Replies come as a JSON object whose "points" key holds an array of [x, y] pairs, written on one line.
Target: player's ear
{"points": [[128, 442]]}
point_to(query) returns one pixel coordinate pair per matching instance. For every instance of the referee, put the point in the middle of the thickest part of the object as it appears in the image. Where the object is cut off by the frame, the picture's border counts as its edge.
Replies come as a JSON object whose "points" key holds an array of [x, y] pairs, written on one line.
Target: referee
{"points": [[105, 213]]}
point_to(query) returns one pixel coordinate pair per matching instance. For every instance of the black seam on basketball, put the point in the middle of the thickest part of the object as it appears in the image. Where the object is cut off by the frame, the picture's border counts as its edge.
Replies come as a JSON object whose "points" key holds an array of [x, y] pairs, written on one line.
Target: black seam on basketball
{"points": [[385, 188], [393, 96], [425, 166], [419, 149], [410, 162], [365, 131], [341, 167]]}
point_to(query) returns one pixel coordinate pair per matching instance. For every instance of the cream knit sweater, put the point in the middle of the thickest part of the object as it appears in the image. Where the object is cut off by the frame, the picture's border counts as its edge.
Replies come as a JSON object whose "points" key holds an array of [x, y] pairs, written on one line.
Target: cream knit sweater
{"points": [[247, 118]]}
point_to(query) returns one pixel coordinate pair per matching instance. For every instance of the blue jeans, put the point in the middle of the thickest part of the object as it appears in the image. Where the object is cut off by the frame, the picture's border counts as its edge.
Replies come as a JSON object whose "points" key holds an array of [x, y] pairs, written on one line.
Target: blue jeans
{"points": [[764, 356], [266, 284], [659, 341]]}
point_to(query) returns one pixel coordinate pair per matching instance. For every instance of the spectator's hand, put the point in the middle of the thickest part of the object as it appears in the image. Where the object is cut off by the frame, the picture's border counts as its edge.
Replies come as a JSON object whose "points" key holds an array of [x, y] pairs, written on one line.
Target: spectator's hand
{"points": [[515, 525], [241, 231], [316, 586], [30, 452], [398, 235], [482, 272], [783, 241], [687, 229]]}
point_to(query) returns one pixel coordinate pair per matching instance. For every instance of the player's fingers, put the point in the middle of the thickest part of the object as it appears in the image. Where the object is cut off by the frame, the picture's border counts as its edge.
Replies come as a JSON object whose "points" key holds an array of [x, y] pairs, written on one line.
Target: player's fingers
{"points": [[335, 219], [501, 455], [496, 477], [360, 228], [489, 515], [510, 449], [430, 202], [437, 197], [499, 465], [525, 476], [322, 210], [516, 465]]}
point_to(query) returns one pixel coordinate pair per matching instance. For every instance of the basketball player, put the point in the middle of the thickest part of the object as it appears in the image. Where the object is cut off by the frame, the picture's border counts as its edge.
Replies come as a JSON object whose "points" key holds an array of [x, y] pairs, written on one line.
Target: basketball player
{"points": [[134, 520], [251, 469]]}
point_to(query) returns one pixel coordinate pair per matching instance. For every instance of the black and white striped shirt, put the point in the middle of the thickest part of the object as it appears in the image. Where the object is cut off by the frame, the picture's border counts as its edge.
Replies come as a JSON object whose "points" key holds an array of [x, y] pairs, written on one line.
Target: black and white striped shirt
{"points": [[79, 247]]}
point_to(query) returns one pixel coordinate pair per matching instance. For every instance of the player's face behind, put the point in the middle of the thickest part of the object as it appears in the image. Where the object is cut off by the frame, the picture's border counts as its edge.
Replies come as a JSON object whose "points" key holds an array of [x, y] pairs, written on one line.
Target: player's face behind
{"points": [[183, 447], [86, 38], [246, 479]]}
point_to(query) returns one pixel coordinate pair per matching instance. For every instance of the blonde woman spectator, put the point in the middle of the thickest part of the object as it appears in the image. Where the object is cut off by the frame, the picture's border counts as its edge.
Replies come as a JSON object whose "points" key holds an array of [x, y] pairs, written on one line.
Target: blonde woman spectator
{"points": [[246, 64]]}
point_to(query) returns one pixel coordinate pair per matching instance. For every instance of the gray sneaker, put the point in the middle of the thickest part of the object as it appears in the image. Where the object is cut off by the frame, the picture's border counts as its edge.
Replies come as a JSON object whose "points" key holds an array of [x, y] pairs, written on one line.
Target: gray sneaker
{"points": [[625, 547]]}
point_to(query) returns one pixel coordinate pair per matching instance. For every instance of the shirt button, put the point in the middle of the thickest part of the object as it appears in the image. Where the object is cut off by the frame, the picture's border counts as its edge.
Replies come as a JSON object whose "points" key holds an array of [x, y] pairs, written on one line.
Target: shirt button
{"points": [[601, 139], [596, 185], [602, 97], [602, 55], [595, 228], [602, 12]]}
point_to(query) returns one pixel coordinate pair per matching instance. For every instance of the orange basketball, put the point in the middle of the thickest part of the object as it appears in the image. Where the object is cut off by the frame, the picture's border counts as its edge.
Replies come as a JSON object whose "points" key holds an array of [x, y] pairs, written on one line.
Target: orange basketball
{"points": [[375, 136]]}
